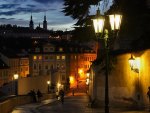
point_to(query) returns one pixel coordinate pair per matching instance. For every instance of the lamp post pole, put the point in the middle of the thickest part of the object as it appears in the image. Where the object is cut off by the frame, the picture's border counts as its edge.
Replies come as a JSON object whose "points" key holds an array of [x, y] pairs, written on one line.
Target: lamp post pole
{"points": [[106, 73], [98, 22]]}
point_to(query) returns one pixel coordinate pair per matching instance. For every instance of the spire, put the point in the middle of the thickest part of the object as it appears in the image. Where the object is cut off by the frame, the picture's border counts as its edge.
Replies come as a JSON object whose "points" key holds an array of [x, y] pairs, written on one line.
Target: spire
{"points": [[31, 17], [45, 17], [31, 24], [45, 22]]}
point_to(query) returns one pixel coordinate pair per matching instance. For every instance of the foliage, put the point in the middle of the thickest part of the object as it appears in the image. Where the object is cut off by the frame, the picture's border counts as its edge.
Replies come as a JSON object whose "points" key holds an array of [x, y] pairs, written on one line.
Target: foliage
{"points": [[78, 9]]}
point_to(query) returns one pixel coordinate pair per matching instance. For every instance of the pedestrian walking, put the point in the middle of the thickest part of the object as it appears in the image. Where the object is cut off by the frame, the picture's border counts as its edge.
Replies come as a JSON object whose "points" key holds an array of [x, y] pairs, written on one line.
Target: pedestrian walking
{"points": [[61, 94], [148, 95], [39, 95], [72, 92]]}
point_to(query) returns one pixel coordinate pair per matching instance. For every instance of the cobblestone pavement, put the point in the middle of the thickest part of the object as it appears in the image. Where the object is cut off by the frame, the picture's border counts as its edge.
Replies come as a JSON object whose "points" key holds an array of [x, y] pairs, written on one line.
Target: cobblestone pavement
{"points": [[78, 104], [72, 104]]}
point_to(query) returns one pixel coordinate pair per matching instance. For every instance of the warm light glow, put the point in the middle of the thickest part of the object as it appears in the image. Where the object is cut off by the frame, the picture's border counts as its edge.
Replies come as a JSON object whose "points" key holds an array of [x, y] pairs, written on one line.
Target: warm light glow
{"points": [[115, 21], [137, 60], [80, 71], [16, 76], [71, 79], [134, 64], [87, 81], [34, 57], [40, 57], [87, 74], [98, 22], [98, 25], [131, 62], [58, 85], [48, 82]]}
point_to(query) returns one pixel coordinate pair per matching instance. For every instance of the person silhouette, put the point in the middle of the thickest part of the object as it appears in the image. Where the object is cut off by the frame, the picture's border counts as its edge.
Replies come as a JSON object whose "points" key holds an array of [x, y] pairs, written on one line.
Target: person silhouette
{"points": [[148, 95], [61, 94]]}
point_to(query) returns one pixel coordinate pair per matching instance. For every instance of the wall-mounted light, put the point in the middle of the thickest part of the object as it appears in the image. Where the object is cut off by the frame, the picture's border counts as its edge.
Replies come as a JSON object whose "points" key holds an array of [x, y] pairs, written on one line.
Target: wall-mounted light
{"points": [[87, 78], [16, 76], [134, 64]]}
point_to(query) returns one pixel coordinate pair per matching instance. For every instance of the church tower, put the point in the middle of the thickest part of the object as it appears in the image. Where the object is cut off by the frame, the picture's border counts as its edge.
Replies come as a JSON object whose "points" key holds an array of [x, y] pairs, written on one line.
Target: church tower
{"points": [[31, 24], [45, 23]]}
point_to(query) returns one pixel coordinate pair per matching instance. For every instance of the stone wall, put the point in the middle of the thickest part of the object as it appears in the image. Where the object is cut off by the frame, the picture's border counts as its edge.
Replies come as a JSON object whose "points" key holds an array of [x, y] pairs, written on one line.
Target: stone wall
{"points": [[125, 85], [8, 105]]}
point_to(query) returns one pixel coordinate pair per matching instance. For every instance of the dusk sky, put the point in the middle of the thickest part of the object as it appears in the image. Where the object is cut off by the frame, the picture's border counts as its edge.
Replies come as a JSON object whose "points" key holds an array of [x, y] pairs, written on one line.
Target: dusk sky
{"points": [[18, 12]]}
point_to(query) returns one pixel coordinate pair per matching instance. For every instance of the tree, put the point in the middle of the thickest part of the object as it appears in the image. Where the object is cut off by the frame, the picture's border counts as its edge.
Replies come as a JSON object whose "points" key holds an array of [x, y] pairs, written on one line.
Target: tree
{"points": [[78, 9]]}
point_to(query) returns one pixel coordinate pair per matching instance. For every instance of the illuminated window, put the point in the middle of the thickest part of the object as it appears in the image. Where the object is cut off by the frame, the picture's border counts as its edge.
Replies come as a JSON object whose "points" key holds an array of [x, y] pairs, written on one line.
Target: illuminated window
{"points": [[63, 57], [60, 49], [40, 57], [58, 57], [34, 57]]}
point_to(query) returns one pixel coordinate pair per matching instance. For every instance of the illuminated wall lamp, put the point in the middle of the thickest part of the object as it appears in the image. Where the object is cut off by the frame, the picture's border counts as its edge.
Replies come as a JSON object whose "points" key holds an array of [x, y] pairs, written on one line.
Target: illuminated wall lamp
{"points": [[134, 64]]}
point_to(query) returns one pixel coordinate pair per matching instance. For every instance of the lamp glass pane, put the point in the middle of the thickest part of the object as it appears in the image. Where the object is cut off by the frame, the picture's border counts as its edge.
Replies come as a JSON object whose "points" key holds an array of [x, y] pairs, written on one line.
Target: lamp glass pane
{"points": [[115, 21], [112, 21], [98, 25]]}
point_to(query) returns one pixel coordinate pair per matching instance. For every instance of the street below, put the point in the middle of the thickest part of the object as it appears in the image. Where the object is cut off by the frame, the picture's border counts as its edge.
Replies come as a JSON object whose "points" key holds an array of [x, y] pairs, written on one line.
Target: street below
{"points": [[79, 104]]}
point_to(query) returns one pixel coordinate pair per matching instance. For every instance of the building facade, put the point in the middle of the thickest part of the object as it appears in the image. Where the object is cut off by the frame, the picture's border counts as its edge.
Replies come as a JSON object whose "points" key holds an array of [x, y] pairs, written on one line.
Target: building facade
{"points": [[69, 62]]}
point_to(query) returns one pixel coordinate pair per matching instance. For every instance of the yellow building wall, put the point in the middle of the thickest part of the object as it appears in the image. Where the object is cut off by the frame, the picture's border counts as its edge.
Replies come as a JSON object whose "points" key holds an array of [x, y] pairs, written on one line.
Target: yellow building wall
{"points": [[124, 84]]}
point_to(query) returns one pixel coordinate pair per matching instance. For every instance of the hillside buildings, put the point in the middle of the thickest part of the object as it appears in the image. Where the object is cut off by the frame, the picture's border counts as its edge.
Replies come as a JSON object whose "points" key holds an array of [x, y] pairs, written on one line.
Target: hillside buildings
{"points": [[66, 63]]}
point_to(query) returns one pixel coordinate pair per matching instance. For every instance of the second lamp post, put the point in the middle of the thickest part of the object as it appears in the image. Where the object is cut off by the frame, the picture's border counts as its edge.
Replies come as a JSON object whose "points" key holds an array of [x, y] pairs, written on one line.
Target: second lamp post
{"points": [[99, 27]]}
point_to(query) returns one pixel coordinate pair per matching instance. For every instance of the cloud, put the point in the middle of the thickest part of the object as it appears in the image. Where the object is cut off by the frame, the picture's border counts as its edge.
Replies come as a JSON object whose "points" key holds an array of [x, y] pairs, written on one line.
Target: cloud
{"points": [[29, 5], [8, 6], [47, 1]]}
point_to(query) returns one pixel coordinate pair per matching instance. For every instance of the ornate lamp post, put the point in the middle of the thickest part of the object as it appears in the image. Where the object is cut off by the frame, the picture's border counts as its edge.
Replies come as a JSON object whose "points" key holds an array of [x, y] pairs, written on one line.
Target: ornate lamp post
{"points": [[48, 86], [16, 76], [103, 33]]}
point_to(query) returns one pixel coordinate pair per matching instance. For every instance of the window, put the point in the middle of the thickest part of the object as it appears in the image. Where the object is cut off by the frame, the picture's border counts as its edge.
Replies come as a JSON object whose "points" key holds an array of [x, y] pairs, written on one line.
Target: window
{"points": [[34, 66], [40, 57], [51, 49], [51, 57], [46, 57], [39, 66], [60, 49], [63, 57], [58, 57], [46, 67], [34, 57], [37, 49], [45, 49]]}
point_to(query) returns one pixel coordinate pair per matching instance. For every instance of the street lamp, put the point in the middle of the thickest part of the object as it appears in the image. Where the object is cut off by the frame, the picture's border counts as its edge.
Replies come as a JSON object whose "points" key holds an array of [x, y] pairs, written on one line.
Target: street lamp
{"points": [[16, 76], [100, 30], [48, 83], [135, 66]]}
